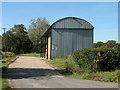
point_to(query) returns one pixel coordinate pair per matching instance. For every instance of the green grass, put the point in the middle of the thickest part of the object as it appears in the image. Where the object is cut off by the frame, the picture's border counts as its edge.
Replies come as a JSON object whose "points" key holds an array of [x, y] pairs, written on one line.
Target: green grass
{"points": [[5, 85], [4, 66], [98, 76], [59, 63], [7, 61], [31, 54]]}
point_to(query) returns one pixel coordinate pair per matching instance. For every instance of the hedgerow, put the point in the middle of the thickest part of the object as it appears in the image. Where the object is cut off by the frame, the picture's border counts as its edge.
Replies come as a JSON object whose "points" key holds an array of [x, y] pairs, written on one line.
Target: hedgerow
{"points": [[98, 59]]}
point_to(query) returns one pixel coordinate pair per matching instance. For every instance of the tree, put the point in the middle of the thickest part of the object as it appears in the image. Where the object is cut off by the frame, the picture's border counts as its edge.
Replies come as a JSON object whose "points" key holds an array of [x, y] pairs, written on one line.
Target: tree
{"points": [[98, 44], [35, 30], [108, 44], [0, 43], [111, 43], [17, 40], [9, 40]]}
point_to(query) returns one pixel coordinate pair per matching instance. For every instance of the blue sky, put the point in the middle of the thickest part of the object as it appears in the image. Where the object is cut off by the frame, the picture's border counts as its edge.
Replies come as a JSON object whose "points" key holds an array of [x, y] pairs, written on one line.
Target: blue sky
{"points": [[102, 15]]}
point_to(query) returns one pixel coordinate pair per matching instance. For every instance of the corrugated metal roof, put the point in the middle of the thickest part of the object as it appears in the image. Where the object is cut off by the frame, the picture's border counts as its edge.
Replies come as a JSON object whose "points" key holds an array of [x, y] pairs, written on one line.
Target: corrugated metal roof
{"points": [[70, 22]]}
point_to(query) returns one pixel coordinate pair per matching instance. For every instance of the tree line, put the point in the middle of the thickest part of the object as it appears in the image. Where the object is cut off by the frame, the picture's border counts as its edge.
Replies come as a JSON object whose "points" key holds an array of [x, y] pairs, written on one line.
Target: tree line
{"points": [[108, 44], [21, 40]]}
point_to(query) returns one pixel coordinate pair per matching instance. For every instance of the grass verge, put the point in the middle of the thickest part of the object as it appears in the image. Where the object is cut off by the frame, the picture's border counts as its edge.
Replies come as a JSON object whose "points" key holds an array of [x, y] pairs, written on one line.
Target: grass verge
{"points": [[5, 63], [5, 85], [31, 54], [60, 65]]}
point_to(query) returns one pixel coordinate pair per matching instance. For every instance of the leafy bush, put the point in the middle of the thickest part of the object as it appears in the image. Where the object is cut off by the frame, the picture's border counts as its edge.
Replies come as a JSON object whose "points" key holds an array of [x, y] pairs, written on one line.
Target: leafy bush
{"points": [[111, 43], [41, 54], [98, 44], [8, 54], [63, 56], [98, 59], [72, 66]]}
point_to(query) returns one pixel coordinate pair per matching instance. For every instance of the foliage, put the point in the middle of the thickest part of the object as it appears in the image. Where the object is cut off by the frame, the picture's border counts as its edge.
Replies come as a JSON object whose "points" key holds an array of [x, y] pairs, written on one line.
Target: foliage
{"points": [[4, 66], [36, 29], [111, 43], [8, 54], [60, 64], [31, 54], [17, 40], [0, 42], [98, 44], [108, 44], [98, 59], [98, 76], [72, 67], [9, 38], [101, 63], [7, 61], [5, 85]]}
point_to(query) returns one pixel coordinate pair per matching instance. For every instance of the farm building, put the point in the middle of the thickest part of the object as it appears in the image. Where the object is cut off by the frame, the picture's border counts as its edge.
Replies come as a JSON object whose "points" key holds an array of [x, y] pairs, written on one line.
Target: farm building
{"points": [[66, 36]]}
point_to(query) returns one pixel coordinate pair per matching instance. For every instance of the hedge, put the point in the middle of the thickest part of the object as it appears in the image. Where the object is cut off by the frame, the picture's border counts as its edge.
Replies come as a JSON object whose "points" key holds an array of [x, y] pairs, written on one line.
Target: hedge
{"points": [[8, 54], [98, 59], [72, 67]]}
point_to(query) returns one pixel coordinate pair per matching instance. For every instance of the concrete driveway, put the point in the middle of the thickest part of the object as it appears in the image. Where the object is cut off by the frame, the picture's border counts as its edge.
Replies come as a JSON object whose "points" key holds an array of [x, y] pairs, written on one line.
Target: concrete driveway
{"points": [[32, 72]]}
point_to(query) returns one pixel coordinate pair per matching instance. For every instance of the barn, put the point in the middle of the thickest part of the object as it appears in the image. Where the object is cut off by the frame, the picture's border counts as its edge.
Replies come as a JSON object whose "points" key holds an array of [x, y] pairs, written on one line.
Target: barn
{"points": [[66, 36]]}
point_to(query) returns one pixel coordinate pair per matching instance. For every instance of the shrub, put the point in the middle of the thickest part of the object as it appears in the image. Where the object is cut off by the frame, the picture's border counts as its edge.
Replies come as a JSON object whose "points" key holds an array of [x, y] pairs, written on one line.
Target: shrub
{"points": [[41, 54], [65, 56], [111, 43], [62, 56], [8, 54], [98, 44], [98, 59], [69, 57], [72, 66]]}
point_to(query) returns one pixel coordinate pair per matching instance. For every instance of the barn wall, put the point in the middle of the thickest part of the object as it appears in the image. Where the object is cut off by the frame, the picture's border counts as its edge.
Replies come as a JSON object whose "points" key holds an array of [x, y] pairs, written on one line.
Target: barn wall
{"points": [[66, 41], [68, 35]]}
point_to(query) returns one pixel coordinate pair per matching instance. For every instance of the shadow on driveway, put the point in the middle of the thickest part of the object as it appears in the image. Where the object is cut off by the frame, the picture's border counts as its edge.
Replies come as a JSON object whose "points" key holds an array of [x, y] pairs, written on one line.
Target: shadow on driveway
{"points": [[19, 73]]}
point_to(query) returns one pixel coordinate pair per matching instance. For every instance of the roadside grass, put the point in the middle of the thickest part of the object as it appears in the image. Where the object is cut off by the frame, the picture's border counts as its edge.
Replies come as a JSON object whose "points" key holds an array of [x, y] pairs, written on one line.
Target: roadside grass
{"points": [[4, 65], [60, 65], [6, 61], [5, 85], [31, 54], [99, 76]]}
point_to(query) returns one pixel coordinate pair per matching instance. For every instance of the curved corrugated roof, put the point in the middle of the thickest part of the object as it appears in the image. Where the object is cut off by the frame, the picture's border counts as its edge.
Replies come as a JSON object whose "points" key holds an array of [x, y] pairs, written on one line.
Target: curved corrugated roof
{"points": [[71, 22]]}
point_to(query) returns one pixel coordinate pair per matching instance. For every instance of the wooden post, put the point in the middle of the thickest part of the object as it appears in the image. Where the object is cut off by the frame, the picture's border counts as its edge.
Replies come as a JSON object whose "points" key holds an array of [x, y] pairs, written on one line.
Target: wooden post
{"points": [[41, 47], [45, 47], [49, 46]]}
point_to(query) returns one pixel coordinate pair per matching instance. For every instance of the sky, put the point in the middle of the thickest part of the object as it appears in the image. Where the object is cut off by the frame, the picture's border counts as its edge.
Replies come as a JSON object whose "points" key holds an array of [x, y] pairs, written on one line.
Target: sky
{"points": [[119, 22], [102, 15]]}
